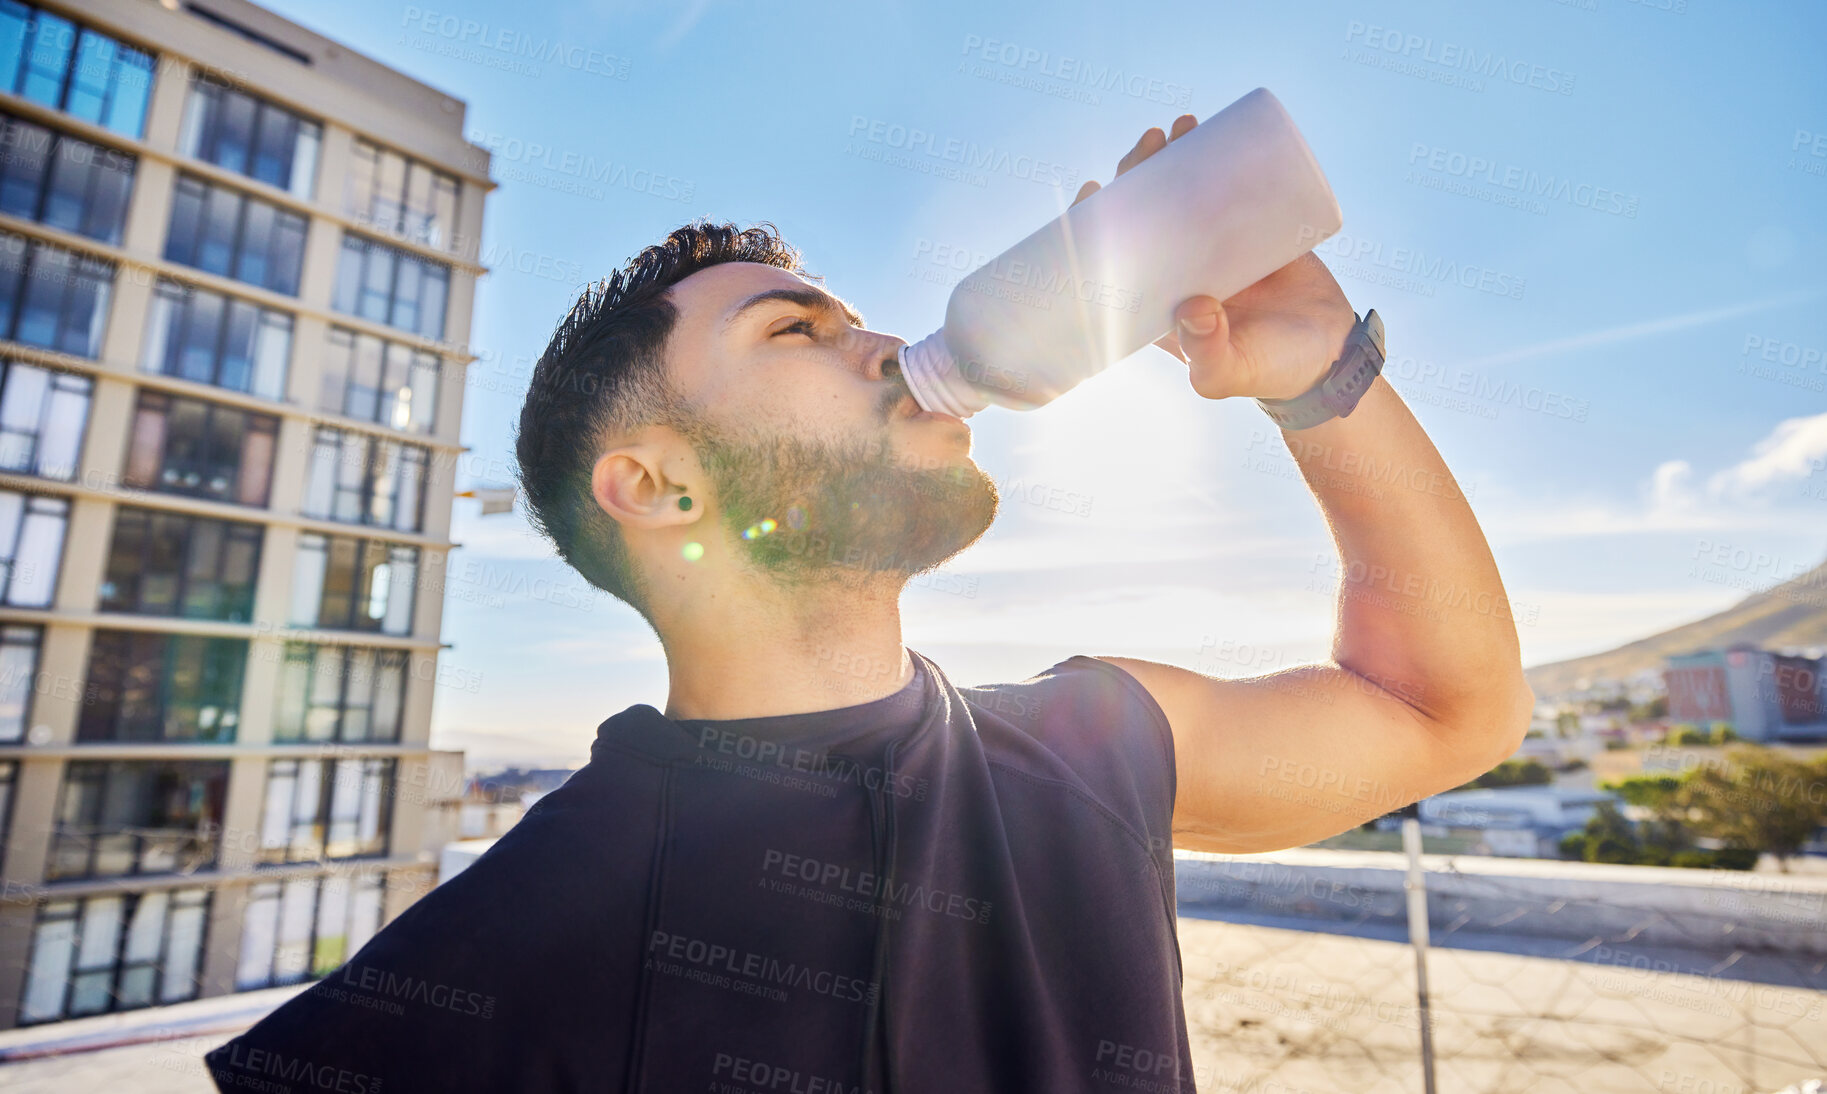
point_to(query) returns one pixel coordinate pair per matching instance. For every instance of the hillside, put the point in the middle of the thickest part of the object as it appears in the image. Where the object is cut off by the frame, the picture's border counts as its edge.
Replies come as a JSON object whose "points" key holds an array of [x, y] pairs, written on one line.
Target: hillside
{"points": [[1791, 614]]}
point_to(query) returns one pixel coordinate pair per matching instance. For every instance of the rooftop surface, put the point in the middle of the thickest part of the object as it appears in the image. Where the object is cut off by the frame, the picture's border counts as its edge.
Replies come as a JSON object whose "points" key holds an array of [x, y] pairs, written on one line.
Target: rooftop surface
{"points": [[1293, 1012]]}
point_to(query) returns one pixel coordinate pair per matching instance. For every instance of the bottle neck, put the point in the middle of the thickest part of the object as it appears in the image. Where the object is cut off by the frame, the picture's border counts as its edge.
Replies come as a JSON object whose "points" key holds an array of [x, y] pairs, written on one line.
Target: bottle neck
{"points": [[931, 374]]}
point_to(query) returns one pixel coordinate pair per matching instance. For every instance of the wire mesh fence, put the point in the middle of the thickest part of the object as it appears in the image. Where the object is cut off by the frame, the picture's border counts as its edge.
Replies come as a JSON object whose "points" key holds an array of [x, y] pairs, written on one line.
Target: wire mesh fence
{"points": [[1300, 978]]}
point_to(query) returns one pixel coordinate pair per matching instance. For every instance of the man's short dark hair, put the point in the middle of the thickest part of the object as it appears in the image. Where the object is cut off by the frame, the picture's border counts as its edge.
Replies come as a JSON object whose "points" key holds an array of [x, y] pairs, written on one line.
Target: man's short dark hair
{"points": [[604, 373]]}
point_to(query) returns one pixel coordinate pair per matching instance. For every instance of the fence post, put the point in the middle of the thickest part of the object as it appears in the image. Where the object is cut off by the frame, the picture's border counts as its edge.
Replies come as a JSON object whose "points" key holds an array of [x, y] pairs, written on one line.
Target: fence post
{"points": [[1416, 886]]}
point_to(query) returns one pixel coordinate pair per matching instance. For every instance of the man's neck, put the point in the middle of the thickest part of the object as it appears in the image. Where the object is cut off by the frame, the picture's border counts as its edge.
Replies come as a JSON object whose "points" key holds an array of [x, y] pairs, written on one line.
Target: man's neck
{"points": [[785, 651]]}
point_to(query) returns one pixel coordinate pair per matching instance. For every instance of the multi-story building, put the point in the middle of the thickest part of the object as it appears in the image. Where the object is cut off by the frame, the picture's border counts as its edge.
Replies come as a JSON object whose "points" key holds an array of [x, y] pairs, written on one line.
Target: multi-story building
{"points": [[237, 262], [1764, 695]]}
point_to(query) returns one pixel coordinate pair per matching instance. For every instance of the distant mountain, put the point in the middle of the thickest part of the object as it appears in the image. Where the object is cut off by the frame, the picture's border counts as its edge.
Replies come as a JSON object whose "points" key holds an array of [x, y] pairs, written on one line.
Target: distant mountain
{"points": [[1791, 614]]}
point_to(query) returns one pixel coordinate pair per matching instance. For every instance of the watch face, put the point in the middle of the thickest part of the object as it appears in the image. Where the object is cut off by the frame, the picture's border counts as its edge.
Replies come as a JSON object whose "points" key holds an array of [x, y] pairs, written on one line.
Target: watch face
{"points": [[1373, 325]]}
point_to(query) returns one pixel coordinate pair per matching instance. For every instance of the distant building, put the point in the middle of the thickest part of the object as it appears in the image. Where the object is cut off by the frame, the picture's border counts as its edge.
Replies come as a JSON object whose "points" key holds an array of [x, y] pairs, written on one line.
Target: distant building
{"points": [[1514, 821], [1762, 694], [1640, 686], [1557, 752], [493, 803], [237, 268]]}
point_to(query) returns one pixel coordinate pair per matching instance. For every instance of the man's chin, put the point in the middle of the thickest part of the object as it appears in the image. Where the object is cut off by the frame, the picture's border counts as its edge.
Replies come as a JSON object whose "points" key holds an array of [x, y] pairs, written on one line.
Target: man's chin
{"points": [[900, 501]]}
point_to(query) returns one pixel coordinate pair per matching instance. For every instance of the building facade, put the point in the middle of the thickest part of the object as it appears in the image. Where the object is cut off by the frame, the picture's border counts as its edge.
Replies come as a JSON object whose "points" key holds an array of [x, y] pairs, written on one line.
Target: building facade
{"points": [[237, 263], [1762, 694]]}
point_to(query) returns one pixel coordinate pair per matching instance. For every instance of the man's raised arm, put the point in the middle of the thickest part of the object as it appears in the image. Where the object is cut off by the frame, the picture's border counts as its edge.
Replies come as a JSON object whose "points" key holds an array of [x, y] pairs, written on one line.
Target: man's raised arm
{"points": [[1425, 687]]}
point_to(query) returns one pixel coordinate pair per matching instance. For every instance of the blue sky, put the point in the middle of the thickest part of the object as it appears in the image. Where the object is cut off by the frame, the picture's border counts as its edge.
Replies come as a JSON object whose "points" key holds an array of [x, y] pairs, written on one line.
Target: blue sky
{"points": [[1627, 372]]}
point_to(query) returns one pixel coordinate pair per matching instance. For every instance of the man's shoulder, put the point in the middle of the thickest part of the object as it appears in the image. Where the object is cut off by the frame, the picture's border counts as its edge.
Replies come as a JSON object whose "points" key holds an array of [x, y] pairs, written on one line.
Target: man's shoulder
{"points": [[539, 865], [1088, 725], [1078, 695]]}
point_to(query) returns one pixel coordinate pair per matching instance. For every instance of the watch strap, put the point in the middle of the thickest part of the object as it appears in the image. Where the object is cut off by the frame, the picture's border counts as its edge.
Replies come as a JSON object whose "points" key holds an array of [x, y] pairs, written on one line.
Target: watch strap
{"points": [[1338, 392]]}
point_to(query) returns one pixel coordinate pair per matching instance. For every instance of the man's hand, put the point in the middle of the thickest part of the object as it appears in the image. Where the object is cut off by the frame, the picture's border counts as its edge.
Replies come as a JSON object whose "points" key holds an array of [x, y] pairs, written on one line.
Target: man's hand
{"points": [[1273, 340]]}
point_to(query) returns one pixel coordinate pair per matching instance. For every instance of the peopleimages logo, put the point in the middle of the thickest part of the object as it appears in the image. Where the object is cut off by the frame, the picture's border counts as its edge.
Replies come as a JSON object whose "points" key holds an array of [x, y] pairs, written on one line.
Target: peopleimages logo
{"points": [[1416, 264], [717, 965], [573, 172], [1451, 55], [1509, 176], [913, 141], [832, 875], [1073, 71], [1047, 284], [512, 43]]}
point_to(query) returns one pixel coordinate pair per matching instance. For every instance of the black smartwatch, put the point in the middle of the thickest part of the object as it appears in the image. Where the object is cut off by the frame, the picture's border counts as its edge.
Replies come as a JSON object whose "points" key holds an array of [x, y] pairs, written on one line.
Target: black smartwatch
{"points": [[1338, 392]]}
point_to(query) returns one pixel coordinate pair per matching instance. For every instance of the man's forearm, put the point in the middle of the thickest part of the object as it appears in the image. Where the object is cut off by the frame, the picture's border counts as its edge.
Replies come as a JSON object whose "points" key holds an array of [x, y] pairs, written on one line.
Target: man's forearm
{"points": [[1423, 612]]}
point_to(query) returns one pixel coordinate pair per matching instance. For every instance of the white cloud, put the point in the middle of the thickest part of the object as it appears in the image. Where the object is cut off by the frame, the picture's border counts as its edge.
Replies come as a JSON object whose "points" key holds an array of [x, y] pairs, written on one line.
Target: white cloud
{"points": [[1671, 486], [1796, 449], [1736, 497]]}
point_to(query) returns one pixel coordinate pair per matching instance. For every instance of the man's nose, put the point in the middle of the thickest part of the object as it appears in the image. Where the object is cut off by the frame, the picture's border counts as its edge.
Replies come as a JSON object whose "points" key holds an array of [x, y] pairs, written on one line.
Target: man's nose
{"points": [[876, 356]]}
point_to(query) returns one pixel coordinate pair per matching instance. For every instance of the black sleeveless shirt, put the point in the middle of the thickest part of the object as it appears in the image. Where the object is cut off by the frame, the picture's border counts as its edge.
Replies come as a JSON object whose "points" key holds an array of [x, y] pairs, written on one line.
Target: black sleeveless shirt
{"points": [[945, 889]]}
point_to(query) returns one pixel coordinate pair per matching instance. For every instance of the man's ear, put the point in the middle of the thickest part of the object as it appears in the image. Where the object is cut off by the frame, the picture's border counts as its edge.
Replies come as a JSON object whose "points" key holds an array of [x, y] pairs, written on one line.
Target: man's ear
{"points": [[630, 483]]}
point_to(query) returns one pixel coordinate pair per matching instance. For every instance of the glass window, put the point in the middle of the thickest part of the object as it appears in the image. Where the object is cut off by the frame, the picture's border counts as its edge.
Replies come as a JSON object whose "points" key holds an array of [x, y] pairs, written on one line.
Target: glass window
{"points": [[146, 686], [401, 197], [414, 401], [65, 66], [363, 398], [365, 479], [377, 283], [326, 809], [19, 644], [120, 817], [114, 952], [230, 128], [227, 232], [434, 285], [173, 564], [45, 69], [26, 166], [44, 414], [9, 775], [204, 336], [31, 547], [391, 286], [188, 446], [235, 135], [259, 933], [340, 693], [56, 179], [354, 584], [307, 927], [51, 297]]}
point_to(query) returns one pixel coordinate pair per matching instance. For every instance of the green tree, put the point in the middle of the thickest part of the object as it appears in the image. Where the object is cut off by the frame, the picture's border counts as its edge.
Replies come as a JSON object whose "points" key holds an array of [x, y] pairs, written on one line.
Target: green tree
{"points": [[1611, 837], [1758, 800], [1608, 837], [1653, 791], [1514, 773]]}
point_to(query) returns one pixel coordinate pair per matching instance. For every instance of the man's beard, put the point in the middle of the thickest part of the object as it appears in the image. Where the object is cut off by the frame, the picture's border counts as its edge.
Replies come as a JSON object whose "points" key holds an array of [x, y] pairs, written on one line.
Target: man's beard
{"points": [[841, 511]]}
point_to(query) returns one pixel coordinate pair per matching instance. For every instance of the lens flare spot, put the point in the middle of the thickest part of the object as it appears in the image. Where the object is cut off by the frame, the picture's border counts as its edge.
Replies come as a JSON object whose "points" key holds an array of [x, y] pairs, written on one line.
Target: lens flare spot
{"points": [[764, 526], [796, 518], [692, 551]]}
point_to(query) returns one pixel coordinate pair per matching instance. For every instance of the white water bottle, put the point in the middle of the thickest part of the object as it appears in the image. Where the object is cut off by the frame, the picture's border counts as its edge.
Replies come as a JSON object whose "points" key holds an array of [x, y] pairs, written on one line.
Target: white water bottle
{"points": [[1233, 200]]}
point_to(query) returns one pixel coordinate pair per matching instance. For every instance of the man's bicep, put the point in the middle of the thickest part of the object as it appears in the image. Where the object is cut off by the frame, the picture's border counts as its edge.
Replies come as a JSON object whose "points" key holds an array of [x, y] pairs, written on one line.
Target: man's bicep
{"points": [[1286, 759]]}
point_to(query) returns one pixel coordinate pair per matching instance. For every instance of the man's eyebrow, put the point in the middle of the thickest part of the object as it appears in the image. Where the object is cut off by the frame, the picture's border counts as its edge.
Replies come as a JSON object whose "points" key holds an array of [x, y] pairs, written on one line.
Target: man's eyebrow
{"points": [[815, 299]]}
